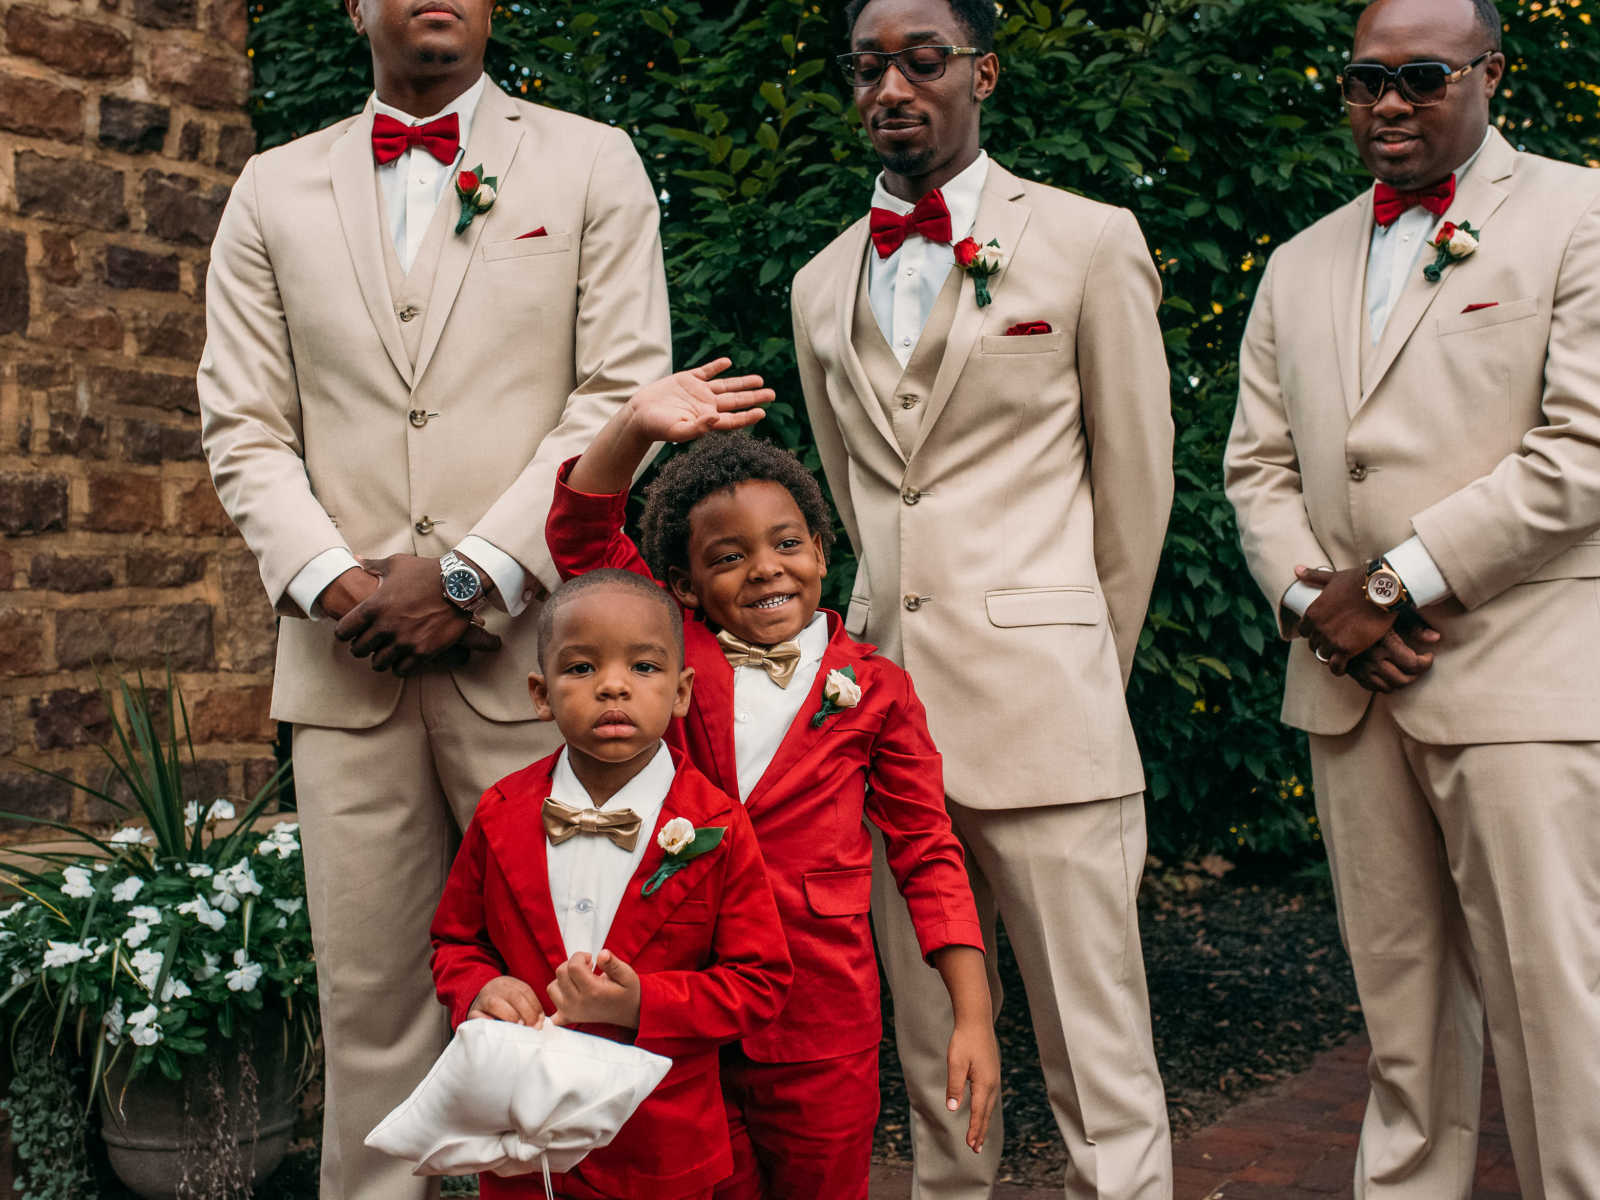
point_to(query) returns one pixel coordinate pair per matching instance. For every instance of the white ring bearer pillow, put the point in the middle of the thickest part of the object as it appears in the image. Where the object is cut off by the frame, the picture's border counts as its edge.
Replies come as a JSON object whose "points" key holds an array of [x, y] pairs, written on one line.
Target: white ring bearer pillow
{"points": [[511, 1099]]}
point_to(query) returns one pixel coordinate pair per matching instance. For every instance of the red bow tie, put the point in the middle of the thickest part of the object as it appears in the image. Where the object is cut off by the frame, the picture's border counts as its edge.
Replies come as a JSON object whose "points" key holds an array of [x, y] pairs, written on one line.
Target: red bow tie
{"points": [[1388, 204], [391, 138], [930, 218]]}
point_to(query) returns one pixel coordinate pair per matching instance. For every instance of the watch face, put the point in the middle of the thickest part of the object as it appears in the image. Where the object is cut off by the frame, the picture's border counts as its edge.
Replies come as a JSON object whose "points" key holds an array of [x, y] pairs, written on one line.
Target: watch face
{"points": [[461, 585], [1383, 588]]}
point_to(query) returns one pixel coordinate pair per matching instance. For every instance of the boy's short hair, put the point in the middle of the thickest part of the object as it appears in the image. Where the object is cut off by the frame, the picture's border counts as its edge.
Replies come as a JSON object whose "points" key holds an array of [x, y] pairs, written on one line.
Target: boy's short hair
{"points": [[719, 462], [615, 578]]}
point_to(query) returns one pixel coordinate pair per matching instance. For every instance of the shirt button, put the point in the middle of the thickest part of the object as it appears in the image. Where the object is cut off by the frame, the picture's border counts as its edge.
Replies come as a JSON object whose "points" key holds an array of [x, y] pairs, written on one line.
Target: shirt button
{"points": [[584, 906], [910, 495], [424, 526], [1358, 472], [912, 602], [905, 341], [910, 271], [408, 313], [742, 717]]}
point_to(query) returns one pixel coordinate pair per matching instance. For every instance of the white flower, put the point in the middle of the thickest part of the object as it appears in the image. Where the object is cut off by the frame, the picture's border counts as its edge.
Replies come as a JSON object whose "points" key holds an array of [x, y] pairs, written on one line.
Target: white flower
{"points": [[676, 835], [289, 906], [220, 810], [200, 871], [245, 974], [133, 835], [485, 198], [204, 913], [191, 813], [113, 1022], [12, 911], [136, 935], [840, 690], [142, 1027], [145, 913], [146, 965], [174, 989], [75, 883], [991, 256], [64, 954], [1462, 243], [281, 840], [127, 889], [213, 963]]}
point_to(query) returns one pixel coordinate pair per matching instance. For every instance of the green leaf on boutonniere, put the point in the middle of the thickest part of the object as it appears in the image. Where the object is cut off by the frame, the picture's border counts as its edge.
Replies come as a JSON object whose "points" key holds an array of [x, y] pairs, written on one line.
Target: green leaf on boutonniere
{"points": [[477, 194], [703, 842]]}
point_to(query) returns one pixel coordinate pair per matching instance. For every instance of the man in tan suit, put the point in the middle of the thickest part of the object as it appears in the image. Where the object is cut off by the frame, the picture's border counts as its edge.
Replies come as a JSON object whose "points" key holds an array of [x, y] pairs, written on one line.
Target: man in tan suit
{"points": [[1424, 424], [1004, 472], [394, 372]]}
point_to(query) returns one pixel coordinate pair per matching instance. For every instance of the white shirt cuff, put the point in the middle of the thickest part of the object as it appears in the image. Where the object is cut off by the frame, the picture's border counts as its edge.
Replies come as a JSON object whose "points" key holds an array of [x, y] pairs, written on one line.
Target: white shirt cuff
{"points": [[316, 575], [1299, 597], [510, 580], [1417, 570]]}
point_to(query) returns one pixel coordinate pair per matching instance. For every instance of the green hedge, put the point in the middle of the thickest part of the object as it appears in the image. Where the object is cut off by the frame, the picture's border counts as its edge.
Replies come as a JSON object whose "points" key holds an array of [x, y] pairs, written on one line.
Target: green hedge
{"points": [[1216, 121]]}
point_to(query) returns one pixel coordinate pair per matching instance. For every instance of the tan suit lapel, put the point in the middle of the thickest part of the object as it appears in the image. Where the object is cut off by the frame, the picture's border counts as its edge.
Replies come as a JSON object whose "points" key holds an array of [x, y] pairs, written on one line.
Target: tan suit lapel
{"points": [[1348, 280], [851, 278], [354, 188], [1476, 200], [1002, 218], [496, 134]]}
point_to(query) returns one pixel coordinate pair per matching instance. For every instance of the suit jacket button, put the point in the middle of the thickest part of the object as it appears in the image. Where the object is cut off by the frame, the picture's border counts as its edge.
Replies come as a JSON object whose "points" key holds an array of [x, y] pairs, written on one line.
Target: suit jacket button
{"points": [[910, 495], [424, 526], [910, 401], [419, 417], [912, 602], [1358, 472], [408, 313]]}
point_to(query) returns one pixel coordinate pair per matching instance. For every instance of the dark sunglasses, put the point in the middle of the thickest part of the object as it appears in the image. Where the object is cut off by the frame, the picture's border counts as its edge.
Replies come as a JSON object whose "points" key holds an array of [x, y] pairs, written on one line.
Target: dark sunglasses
{"points": [[918, 64], [1419, 83]]}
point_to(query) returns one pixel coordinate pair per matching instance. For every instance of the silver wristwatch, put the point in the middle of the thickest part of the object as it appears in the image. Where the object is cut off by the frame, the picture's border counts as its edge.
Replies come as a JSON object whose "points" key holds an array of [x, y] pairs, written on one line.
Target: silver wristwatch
{"points": [[462, 585]]}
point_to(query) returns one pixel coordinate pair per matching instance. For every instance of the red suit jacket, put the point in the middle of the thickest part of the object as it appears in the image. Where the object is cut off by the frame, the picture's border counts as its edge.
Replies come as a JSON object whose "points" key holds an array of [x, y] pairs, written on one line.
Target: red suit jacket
{"points": [[876, 761], [711, 966]]}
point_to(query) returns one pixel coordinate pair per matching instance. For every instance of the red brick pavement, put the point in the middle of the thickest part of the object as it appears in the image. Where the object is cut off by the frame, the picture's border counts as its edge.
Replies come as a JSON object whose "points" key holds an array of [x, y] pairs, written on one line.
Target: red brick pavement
{"points": [[1296, 1141]]}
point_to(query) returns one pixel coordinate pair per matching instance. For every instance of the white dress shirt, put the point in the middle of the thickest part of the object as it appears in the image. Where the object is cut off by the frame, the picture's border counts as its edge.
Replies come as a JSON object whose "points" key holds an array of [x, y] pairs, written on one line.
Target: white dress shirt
{"points": [[903, 288], [1396, 252], [763, 711], [588, 874], [411, 187]]}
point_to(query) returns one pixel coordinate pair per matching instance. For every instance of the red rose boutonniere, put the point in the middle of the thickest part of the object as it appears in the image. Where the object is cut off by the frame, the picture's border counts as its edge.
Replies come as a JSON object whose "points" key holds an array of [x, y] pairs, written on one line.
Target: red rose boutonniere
{"points": [[476, 192], [1453, 242], [981, 262]]}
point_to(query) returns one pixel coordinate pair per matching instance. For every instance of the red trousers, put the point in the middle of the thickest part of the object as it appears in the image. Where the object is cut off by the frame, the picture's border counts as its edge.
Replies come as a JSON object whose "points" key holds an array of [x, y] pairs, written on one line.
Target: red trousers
{"points": [[800, 1131]]}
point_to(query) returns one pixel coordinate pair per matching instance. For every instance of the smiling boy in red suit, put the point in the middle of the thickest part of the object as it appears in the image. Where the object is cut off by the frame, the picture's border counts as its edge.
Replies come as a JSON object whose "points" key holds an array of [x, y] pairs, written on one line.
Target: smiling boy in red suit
{"points": [[813, 732], [558, 893]]}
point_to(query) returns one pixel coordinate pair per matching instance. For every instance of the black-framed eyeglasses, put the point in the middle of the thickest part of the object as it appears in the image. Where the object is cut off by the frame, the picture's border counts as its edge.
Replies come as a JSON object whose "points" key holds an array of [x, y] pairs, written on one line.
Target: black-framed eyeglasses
{"points": [[1419, 83], [918, 64]]}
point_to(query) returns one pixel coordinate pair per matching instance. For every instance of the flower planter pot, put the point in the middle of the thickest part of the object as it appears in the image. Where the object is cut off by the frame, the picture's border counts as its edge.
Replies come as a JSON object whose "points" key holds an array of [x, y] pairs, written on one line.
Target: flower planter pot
{"points": [[224, 1127]]}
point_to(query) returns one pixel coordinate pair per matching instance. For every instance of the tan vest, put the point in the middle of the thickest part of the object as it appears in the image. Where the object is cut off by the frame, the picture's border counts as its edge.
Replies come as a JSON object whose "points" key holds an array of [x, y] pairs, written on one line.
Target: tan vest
{"points": [[903, 393], [410, 289]]}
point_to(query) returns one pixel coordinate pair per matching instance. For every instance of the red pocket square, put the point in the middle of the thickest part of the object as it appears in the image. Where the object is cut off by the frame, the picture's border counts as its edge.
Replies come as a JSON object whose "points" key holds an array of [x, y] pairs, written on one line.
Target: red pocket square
{"points": [[539, 232], [1028, 329], [1476, 307]]}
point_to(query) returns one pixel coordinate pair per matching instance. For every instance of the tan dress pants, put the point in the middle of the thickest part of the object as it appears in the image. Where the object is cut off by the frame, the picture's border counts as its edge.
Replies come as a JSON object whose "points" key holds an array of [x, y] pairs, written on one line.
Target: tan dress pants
{"points": [[1468, 879], [1064, 880], [381, 812]]}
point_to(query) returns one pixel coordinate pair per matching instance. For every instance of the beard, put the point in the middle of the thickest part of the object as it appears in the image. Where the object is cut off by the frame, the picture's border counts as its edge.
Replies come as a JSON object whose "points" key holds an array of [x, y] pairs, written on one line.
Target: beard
{"points": [[909, 164]]}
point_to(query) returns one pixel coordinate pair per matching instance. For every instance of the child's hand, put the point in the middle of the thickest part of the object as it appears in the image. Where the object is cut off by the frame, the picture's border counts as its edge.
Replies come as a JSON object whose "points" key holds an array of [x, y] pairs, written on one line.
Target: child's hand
{"points": [[507, 998], [681, 407], [611, 997], [974, 1057]]}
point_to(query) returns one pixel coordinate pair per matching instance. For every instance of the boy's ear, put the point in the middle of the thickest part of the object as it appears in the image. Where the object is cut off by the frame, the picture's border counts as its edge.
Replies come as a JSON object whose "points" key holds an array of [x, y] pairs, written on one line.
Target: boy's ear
{"points": [[822, 557], [680, 702], [682, 587], [541, 697]]}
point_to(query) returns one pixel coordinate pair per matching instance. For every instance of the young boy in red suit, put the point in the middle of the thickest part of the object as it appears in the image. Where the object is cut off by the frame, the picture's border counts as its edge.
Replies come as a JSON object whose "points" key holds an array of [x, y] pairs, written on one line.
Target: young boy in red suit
{"points": [[555, 904], [813, 732]]}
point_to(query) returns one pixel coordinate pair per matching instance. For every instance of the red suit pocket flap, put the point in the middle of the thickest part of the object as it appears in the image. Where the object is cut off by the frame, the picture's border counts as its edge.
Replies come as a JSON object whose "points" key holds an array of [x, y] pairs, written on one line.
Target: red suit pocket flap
{"points": [[839, 893], [539, 232], [1476, 307], [1028, 329]]}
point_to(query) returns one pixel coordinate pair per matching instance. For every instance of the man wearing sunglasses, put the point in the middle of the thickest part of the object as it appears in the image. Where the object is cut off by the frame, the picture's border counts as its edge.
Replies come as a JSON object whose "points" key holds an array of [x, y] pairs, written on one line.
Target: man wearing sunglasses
{"points": [[1415, 463], [998, 439]]}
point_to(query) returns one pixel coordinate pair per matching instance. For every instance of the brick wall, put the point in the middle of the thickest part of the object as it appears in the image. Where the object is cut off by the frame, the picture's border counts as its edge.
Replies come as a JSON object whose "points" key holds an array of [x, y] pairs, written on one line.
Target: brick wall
{"points": [[122, 125]]}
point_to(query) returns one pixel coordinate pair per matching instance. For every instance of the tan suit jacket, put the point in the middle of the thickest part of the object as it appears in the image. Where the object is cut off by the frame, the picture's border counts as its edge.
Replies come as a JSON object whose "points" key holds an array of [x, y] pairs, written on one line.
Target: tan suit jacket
{"points": [[1010, 550], [527, 346], [1478, 430]]}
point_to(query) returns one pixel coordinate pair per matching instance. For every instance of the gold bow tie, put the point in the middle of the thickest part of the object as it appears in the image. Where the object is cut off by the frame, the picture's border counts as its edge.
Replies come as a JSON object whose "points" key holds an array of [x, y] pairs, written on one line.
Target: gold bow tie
{"points": [[561, 823], [777, 661]]}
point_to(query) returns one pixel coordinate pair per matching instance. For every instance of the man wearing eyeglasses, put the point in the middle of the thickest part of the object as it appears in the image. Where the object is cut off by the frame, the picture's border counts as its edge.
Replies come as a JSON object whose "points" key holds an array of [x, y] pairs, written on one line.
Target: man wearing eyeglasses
{"points": [[1415, 463], [986, 381]]}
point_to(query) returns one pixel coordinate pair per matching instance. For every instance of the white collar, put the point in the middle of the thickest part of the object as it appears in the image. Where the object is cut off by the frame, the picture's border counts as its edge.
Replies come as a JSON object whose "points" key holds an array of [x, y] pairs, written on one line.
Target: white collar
{"points": [[961, 195], [465, 106], [813, 639], [645, 793]]}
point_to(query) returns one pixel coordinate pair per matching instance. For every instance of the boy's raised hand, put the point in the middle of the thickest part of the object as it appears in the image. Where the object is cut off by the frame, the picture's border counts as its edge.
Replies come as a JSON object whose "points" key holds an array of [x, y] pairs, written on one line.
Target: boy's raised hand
{"points": [[507, 998], [681, 407], [599, 991]]}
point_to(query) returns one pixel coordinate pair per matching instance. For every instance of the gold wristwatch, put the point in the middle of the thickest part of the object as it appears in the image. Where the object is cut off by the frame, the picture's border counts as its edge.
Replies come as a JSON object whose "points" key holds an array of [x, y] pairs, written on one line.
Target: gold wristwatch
{"points": [[1384, 586]]}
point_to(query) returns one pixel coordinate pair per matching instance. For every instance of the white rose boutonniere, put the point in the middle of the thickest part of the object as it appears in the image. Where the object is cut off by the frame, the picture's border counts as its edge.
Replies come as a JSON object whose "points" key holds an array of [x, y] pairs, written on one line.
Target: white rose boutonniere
{"points": [[840, 690], [1454, 243], [682, 843]]}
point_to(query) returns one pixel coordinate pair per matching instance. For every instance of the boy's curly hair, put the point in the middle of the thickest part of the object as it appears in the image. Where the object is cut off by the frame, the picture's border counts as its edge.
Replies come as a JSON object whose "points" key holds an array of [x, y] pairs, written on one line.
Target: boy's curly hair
{"points": [[715, 463]]}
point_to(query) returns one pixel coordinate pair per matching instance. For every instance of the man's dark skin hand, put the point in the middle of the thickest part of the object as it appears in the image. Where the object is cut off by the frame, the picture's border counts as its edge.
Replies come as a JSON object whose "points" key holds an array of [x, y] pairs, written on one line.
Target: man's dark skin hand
{"points": [[1400, 657], [406, 623], [1341, 622]]}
